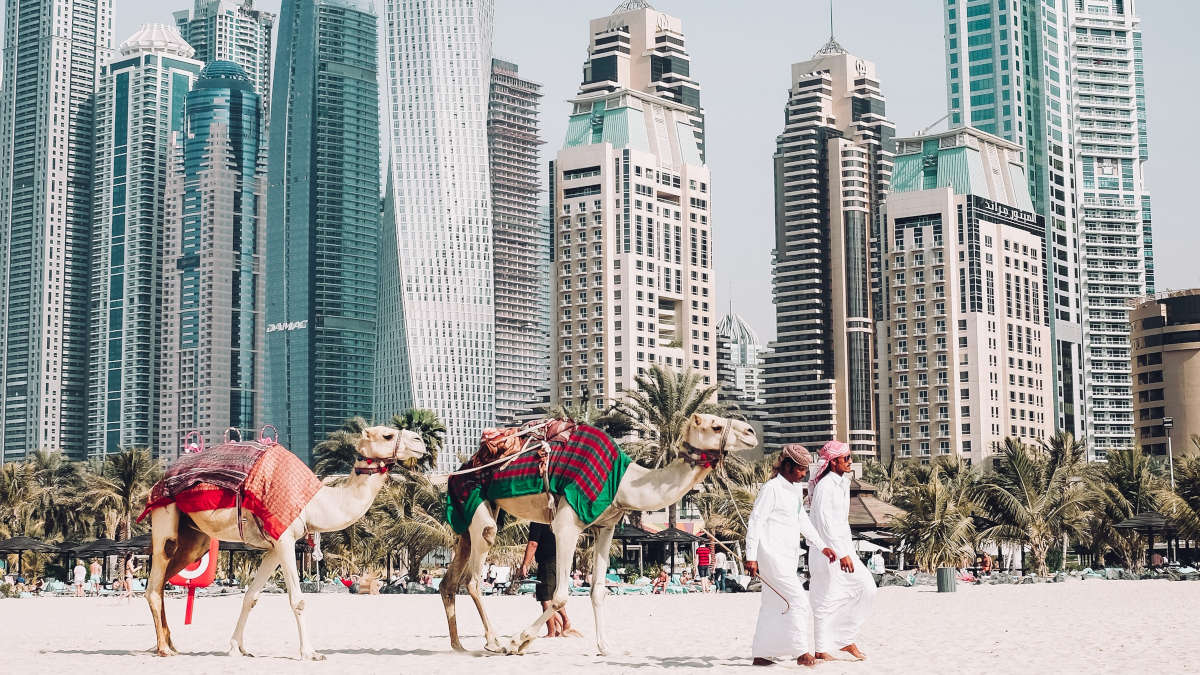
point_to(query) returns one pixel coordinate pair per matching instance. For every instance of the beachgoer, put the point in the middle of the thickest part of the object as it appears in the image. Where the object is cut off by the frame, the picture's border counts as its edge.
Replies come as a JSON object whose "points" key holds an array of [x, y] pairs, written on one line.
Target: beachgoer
{"points": [[772, 553], [876, 563], [987, 564], [703, 560], [80, 576], [542, 549], [841, 599], [130, 569], [661, 581], [426, 578], [97, 578], [720, 562]]}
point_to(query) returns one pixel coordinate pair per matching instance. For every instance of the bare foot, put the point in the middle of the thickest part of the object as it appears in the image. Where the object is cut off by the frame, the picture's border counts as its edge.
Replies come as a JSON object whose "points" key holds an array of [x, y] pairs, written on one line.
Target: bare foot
{"points": [[822, 656], [806, 660], [571, 632], [760, 661], [852, 650]]}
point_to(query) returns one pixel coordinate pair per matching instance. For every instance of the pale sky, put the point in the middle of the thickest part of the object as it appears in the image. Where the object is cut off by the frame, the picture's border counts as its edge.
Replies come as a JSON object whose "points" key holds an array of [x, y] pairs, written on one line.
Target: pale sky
{"points": [[741, 54]]}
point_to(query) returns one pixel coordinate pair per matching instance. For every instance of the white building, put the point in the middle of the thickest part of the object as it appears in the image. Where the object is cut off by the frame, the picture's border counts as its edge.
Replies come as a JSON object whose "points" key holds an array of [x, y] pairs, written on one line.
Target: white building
{"points": [[53, 51], [139, 106], [633, 257], [436, 322], [232, 30], [965, 345]]}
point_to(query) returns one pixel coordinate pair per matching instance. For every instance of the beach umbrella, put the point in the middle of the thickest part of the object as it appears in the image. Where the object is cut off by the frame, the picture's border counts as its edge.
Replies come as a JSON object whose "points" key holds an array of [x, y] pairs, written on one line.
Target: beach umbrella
{"points": [[20, 545], [674, 536], [139, 544], [627, 533], [1147, 522], [97, 547]]}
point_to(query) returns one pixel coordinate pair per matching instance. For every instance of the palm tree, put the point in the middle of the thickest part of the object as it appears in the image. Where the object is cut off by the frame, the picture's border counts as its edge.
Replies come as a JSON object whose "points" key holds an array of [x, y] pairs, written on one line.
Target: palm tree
{"points": [[336, 455], [612, 420], [1124, 486], [1183, 505], [886, 478], [53, 483], [14, 492], [937, 526], [661, 406], [1031, 500], [428, 426], [413, 512], [121, 485]]}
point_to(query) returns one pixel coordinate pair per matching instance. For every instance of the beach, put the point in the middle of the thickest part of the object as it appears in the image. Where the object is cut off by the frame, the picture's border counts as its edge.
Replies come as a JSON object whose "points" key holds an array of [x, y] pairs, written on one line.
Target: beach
{"points": [[1078, 626]]}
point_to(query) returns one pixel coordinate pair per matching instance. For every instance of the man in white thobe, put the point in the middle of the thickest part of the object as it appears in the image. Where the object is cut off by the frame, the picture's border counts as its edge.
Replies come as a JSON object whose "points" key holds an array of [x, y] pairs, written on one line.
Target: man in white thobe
{"points": [[841, 598], [773, 552]]}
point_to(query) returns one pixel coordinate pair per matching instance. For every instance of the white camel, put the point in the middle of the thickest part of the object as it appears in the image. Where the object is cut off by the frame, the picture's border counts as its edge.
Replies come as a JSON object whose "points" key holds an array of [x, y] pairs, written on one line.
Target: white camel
{"points": [[706, 439], [178, 538]]}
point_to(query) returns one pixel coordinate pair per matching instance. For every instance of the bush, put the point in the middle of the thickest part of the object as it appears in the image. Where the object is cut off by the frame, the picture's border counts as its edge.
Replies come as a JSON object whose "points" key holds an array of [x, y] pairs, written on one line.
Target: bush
{"points": [[9, 591]]}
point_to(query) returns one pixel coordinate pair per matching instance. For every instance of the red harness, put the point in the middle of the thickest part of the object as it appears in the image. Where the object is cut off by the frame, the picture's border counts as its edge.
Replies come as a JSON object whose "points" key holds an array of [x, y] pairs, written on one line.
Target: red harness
{"points": [[371, 467]]}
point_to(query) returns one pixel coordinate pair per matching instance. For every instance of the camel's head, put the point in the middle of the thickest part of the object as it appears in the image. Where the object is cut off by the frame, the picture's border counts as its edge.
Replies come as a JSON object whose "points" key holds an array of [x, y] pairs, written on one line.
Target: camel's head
{"points": [[389, 444], [707, 438]]}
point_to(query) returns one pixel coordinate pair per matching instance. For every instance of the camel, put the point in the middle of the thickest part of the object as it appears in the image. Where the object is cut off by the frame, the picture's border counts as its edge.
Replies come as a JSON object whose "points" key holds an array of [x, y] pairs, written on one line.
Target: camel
{"points": [[706, 439], [178, 539]]}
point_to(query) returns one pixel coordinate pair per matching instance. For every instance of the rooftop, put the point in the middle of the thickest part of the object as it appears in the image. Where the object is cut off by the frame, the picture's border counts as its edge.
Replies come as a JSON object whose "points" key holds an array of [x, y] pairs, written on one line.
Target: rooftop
{"points": [[159, 39]]}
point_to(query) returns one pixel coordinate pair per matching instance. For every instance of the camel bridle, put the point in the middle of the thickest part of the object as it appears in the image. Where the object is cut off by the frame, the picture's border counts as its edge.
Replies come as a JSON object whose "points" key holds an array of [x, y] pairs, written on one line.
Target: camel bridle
{"points": [[706, 458], [384, 464]]}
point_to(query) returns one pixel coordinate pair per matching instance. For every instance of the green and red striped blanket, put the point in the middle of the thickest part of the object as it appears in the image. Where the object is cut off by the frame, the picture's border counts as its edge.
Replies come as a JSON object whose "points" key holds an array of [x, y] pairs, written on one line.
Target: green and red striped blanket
{"points": [[585, 467]]}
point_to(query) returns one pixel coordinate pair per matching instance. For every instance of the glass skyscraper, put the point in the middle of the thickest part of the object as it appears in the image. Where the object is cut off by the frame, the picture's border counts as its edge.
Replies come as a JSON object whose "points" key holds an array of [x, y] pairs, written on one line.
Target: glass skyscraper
{"points": [[232, 30], [436, 320], [212, 338], [520, 243], [139, 106], [1064, 80], [322, 220], [53, 51], [833, 163]]}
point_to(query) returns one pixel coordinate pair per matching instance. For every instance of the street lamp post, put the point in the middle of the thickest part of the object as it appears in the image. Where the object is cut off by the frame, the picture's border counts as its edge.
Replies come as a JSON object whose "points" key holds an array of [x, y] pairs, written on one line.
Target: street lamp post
{"points": [[1167, 423]]}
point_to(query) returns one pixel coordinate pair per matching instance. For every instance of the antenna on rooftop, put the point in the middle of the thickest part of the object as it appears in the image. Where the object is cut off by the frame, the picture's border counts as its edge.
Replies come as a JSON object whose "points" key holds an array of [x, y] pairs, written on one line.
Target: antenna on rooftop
{"points": [[831, 47]]}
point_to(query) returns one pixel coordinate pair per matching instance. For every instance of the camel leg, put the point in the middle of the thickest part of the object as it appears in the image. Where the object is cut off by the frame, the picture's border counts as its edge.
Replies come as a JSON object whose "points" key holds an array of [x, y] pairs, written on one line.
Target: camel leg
{"points": [[566, 537], [261, 575], [604, 539], [449, 587], [483, 538], [164, 531], [191, 545], [285, 550]]}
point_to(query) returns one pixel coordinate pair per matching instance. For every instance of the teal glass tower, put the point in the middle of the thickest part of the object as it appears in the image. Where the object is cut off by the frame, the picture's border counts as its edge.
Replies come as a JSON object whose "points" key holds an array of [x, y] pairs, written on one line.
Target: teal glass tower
{"points": [[323, 220], [212, 367]]}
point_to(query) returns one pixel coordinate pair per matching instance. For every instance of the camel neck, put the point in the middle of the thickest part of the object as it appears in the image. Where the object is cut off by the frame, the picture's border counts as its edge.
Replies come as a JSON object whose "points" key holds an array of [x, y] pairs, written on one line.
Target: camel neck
{"points": [[335, 507], [654, 489]]}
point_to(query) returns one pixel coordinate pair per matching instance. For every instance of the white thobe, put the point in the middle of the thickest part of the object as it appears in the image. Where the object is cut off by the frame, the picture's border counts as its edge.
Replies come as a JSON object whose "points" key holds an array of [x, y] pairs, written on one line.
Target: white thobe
{"points": [[773, 540], [840, 601]]}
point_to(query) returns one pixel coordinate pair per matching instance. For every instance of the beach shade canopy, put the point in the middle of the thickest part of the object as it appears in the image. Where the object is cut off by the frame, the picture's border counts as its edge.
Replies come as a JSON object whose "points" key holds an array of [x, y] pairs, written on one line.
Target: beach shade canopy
{"points": [[674, 535], [864, 546], [1148, 521], [23, 544], [98, 547], [139, 544], [868, 512], [625, 532]]}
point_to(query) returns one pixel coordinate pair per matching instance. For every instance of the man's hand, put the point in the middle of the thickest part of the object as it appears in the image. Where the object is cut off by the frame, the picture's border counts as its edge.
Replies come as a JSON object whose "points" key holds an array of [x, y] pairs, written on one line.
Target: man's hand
{"points": [[752, 568], [828, 553], [847, 565], [524, 571]]}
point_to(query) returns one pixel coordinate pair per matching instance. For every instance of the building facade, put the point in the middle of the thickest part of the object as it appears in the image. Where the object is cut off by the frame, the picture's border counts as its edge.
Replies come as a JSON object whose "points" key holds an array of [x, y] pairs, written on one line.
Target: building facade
{"points": [[211, 376], [832, 167], [437, 320], [1065, 81], [139, 106], [232, 30], [520, 242], [1165, 337], [323, 221], [965, 344], [53, 52], [633, 249], [740, 359]]}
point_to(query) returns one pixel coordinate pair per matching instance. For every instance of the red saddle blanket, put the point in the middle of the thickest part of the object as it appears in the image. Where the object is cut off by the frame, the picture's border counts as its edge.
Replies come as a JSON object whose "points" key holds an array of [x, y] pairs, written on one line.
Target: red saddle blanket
{"points": [[275, 488]]}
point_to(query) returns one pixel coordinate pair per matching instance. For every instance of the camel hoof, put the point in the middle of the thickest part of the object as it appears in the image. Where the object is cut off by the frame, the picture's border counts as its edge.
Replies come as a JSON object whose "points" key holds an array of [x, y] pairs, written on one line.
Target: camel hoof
{"points": [[163, 652], [314, 656], [493, 647], [457, 646]]}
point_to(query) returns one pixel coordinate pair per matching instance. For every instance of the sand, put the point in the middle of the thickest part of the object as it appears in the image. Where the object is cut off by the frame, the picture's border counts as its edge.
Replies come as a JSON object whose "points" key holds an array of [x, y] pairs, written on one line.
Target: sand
{"points": [[1074, 627]]}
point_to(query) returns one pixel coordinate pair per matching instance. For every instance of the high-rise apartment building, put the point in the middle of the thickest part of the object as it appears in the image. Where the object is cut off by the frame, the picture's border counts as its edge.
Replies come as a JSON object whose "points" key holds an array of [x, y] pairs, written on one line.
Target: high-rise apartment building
{"points": [[630, 196], [437, 320], [53, 51], [964, 345], [323, 220], [832, 166], [139, 106], [211, 376], [232, 30], [1165, 337], [740, 358], [520, 242], [1064, 81]]}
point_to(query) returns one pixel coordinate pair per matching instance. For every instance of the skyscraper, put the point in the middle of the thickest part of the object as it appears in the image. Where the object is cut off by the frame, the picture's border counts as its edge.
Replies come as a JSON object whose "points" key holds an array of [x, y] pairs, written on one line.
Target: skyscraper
{"points": [[1065, 82], [138, 109], [212, 335], [53, 50], [436, 320], [965, 339], [232, 30], [520, 242], [323, 220], [832, 167], [633, 249], [741, 361]]}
